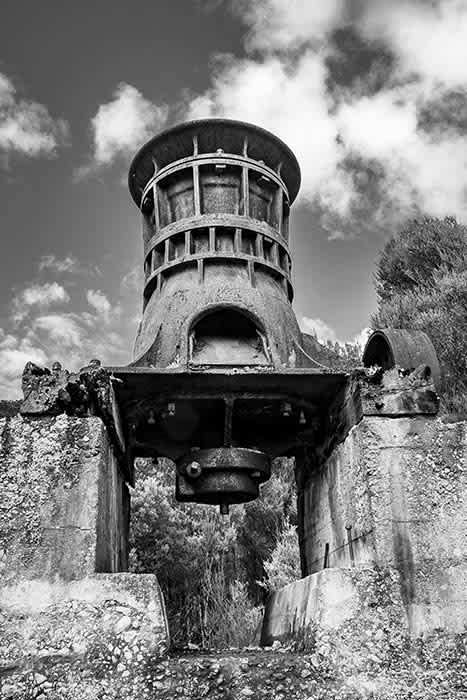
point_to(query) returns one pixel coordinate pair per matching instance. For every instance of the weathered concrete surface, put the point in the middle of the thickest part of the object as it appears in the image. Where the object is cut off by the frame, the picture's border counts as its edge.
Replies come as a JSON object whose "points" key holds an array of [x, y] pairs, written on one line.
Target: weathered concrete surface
{"points": [[394, 494], [64, 505], [87, 639], [337, 605], [112, 647]]}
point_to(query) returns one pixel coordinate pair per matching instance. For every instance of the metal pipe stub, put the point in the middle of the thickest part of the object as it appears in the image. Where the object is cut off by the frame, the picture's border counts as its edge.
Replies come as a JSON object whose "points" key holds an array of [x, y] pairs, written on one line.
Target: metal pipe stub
{"points": [[222, 475]]}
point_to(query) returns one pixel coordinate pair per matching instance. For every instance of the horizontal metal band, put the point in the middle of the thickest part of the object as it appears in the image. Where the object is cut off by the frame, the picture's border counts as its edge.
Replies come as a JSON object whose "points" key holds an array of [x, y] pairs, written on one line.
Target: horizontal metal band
{"points": [[216, 220], [214, 159]]}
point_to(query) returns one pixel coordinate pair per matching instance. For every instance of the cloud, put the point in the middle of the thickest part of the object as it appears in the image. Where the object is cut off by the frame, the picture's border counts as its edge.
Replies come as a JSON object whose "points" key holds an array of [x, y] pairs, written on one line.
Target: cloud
{"points": [[67, 265], [61, 328], [290, 100], [429, 38], [370, 149], [47, 324], [275, 24], [14, 354], [38, 295], [320, 329], [44, 295], [324, 333], [133, 280], [99, 302], [122, 125], [26, 127], [422, 170]]}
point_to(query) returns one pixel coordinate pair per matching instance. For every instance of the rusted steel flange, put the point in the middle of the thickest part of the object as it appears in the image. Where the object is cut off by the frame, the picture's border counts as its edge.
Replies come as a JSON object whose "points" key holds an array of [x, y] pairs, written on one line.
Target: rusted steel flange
{"points": [[221, 475]]}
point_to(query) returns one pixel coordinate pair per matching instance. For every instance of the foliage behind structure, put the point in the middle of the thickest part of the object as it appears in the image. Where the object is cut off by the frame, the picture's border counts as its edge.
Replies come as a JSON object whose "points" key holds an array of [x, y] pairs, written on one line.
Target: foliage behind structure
{"points": [[214, 572], [421, 283]]}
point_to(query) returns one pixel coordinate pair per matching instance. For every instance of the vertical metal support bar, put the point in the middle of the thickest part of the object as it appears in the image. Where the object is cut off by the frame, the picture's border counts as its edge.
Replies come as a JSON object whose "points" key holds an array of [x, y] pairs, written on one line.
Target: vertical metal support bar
{"points": [[157, 216], [159, 281], [278, 204], [275, 254], [196, 191], [238, 240], [187, 242], [152, 259], [212, 239], [166, 250], [201, 271], [195, 145], [251, 273], [259, 245], [285, 222], [245, 192]]}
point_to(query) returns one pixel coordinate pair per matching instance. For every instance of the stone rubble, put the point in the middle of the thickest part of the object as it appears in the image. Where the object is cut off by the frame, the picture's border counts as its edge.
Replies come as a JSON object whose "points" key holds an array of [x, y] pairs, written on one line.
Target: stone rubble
{"points": [[417, 670]]}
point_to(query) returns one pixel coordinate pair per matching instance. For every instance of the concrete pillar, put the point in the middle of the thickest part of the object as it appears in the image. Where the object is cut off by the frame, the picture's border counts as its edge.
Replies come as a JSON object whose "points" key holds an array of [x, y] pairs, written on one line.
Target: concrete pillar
{"points": [[72, 623], [64, 501], [385, 491]]}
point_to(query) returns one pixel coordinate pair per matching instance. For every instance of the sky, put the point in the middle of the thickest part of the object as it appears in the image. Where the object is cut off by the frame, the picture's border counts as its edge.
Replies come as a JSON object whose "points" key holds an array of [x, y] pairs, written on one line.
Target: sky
{"points": [[371, 96]]}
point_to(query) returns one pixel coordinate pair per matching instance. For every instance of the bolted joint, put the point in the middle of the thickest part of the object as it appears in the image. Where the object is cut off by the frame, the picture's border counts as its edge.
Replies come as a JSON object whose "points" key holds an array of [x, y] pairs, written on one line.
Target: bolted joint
{"points": [[193, 470], [221, 475]]}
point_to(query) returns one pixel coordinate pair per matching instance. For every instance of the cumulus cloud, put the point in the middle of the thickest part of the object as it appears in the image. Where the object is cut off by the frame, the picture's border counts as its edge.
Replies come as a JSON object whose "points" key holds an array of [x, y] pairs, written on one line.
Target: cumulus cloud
{"points": [[38, 295], [290, 101], [61, 328], [279, 24], [429, 38], [44, 294], [320, 329], [69, 324], [369, 154], [14, 354], [98, 301], [324, 333], [26, 127], [46, 323], [73, 338], [122, 125]]}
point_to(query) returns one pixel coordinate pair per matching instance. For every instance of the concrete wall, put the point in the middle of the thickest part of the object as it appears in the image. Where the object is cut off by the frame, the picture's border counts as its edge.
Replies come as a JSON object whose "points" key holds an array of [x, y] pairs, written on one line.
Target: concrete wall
{"points": [[63, 502], [400, 484], [358, 610]]}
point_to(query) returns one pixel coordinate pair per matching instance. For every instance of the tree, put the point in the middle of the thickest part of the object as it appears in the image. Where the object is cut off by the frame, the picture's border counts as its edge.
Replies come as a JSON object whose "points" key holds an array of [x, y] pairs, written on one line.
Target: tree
{"points": [[421, 283], [283, 566]]}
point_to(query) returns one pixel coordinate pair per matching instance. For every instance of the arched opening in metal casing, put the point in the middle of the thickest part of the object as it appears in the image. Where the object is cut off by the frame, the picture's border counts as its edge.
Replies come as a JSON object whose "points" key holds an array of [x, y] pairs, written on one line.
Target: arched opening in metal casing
{"points": [[227, 336]]}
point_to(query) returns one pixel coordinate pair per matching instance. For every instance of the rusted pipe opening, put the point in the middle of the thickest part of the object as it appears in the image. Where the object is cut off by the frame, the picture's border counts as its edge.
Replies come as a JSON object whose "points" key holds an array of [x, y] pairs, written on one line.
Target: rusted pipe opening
{"points": [[378, 352]]}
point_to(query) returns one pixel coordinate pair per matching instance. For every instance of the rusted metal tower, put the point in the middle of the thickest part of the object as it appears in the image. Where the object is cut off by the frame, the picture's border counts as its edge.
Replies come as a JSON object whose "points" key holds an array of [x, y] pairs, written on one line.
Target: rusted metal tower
{"points": [[219, 381], [215, 198]]}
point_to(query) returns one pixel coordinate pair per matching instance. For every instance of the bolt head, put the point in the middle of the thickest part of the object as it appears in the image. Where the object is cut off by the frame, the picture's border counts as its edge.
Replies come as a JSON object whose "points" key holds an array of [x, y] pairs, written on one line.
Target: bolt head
{"points": [[194, 470]]}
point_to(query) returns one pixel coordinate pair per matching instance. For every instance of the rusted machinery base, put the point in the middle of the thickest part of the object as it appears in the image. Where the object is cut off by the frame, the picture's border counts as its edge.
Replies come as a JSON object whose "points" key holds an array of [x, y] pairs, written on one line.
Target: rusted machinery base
{"points": [[222, 428], [221, 476]]}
